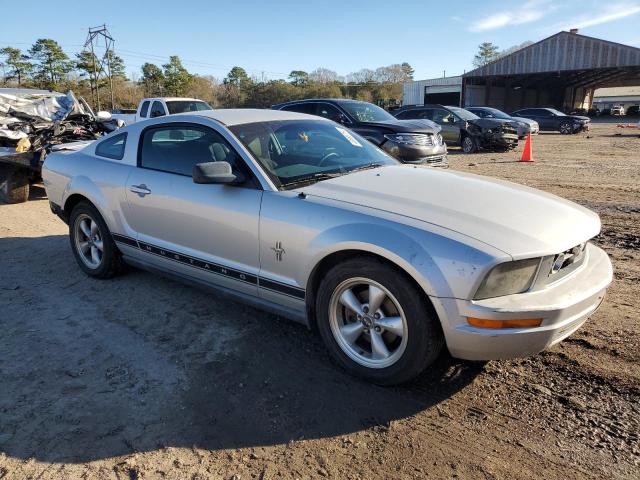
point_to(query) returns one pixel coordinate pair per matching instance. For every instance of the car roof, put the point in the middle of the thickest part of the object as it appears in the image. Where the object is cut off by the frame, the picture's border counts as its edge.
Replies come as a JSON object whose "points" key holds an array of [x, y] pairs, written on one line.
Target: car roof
{"points": [[238, 116], [328, 100]]}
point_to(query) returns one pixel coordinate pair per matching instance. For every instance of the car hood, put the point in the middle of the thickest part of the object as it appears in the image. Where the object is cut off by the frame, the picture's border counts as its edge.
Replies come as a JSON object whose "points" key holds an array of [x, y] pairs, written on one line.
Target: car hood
{"points": [[578, 117], [518, 220], [405, 126], [490, 122], [528, 121]]}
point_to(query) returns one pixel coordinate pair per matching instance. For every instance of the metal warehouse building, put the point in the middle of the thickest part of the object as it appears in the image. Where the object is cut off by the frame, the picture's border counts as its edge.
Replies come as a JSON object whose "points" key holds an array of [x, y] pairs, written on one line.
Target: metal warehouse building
{"points": [[561, 71]]}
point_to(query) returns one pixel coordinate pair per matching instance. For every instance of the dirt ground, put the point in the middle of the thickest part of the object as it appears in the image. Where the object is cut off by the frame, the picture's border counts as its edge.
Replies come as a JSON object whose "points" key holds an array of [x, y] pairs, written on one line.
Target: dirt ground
{"points": [[142, 377]]}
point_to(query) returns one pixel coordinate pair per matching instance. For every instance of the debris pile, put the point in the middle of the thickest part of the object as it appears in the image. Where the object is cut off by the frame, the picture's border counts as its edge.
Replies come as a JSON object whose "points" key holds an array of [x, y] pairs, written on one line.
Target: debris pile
{"points": [[36, 120]]}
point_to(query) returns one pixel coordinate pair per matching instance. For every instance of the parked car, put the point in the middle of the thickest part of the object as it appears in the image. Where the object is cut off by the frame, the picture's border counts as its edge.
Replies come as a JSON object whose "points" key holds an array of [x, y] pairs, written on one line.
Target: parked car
{"points": [[633, 111], [554, 120], [127, 115], [617, 110], [461, 127], [158, 107], [524, 126], [302, 217], [408, 141]]}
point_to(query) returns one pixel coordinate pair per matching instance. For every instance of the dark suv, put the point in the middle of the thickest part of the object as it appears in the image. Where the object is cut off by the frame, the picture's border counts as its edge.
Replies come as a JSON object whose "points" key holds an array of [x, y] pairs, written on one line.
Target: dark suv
{"points": [[416, 141], [554, 120], [461, 127]]}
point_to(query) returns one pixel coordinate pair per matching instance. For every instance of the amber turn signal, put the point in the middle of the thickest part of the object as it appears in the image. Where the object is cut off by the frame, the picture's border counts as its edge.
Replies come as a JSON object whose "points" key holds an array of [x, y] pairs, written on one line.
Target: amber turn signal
{"points": [[520, 323]]}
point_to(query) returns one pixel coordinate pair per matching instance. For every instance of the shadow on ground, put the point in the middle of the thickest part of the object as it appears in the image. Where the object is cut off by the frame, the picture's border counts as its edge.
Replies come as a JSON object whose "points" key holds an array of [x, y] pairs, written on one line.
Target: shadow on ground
{"points": [[92, 369]]}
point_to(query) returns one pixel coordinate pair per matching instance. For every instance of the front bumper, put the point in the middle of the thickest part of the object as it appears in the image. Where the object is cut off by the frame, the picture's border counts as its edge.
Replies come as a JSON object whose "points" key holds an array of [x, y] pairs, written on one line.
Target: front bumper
{"points": [[581, 127], [417, 154], [500, 140], [563, 307]]}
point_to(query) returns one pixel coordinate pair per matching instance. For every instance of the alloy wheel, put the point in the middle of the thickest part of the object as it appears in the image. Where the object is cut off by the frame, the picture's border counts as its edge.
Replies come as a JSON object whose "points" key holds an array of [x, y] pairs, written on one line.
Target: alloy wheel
{"points": [[368, 323], [88, 241]]}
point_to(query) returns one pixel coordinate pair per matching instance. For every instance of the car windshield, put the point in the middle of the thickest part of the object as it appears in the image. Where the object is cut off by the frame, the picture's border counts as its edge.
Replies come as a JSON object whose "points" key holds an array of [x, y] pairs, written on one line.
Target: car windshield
{"points": [[463, 114], [497, 113], [367, 112], [298, 152], [556, 112], [182, 106]]}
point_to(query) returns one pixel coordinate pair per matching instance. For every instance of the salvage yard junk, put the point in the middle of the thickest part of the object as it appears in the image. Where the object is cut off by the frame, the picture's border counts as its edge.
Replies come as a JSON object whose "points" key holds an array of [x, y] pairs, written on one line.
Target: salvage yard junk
{"points": [[32, 122]]}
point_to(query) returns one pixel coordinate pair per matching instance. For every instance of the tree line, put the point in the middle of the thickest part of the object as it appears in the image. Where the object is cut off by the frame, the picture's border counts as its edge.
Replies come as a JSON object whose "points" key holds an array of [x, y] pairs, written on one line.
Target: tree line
{"points": [[45, 65]]}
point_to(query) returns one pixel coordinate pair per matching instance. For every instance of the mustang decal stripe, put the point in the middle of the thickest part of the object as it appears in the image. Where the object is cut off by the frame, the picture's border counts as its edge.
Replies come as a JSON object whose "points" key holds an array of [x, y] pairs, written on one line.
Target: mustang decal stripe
{"points": [[282, 288], [126, 240], [211, 267]]}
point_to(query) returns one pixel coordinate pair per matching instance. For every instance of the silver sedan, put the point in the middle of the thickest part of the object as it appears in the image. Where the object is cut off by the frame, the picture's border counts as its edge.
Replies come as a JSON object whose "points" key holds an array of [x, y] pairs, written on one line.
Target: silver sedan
{"points": [[297, 215]]}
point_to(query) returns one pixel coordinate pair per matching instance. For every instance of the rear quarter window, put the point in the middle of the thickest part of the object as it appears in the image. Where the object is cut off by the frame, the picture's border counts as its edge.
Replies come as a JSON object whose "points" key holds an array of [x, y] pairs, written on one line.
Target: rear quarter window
{"points": [[112, 147]]}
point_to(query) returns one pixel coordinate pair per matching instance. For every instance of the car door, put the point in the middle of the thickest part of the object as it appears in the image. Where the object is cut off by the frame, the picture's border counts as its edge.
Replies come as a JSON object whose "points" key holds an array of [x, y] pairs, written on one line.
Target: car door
{"points": [[157, 110], [450, 125], [208, 232]]}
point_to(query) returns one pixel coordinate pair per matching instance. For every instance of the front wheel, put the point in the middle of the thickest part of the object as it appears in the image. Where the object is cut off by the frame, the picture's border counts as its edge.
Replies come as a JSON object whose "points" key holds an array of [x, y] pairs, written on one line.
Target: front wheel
{"points": [[565, 128], [469, 145], [376, 323]]}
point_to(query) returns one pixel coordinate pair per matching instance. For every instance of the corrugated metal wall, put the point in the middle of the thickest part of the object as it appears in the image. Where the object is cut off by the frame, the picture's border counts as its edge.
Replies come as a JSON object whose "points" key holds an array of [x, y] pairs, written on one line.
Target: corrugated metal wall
{"points": [[562, 52]]}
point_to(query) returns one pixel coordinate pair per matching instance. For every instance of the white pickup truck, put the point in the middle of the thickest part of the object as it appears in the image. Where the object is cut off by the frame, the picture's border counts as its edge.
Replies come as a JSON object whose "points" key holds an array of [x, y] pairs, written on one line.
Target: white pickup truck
{"points": [[158, 107]]}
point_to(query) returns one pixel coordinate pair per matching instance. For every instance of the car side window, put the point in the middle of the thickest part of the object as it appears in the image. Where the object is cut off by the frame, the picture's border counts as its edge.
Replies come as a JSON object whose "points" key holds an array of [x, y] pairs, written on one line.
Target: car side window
{"points": [[443, 117], [411, 115], [144, 109], [309, 108], [112, 147], [157, 109], [326, 110], [177, 148]]}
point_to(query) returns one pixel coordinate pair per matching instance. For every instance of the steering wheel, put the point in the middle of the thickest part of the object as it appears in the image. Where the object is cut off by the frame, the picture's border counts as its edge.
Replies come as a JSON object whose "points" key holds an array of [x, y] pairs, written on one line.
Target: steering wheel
{"points": [[329, 156]]}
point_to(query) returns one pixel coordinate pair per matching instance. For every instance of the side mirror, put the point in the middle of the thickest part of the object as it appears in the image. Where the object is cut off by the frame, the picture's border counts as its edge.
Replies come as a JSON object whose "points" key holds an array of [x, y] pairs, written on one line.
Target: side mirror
{"points": [[103, 116], [215, 172]]}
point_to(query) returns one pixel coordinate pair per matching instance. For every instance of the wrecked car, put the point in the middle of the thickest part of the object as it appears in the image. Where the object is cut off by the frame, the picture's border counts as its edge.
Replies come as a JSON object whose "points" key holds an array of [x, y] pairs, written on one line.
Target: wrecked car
{"points": [[32, 122], [461, 127]]}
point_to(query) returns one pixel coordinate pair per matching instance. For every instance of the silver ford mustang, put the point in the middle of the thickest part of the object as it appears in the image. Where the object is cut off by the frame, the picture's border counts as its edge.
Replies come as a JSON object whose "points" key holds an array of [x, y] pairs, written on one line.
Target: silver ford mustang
{"points": [[300, 216]]}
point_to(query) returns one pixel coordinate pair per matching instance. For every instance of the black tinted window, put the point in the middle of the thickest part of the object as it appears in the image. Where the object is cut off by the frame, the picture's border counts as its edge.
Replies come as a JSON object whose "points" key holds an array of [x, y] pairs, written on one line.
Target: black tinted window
{"points": [[309, 108], [415, 114], [183, 106], [112, 147], [177, 148], [157, 110], [144, 109], [326, 110]]}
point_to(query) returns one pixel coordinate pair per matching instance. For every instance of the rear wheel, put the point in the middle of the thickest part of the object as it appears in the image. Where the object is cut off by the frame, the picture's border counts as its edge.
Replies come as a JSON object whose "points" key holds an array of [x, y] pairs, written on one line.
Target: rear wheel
{"points": [[91, 242], [14, 184], [565, 128], [376, 323], [469, 145]]}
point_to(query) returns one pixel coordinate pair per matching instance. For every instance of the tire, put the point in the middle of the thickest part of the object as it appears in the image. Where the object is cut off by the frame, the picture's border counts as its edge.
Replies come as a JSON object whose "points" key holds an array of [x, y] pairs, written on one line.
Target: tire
{"points": [[469, 144], [566, 128], [405, 322], [110, 259], [14, 184]]}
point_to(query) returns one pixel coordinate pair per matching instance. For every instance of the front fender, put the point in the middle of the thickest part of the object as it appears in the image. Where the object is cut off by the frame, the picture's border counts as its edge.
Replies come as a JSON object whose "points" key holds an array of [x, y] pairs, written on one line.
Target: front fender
{"points": [[443, 267]]}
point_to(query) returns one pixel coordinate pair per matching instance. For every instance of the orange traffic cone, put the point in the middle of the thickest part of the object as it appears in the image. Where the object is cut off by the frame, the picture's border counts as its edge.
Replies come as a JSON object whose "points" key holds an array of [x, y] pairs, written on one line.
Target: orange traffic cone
{"points": [[527, 153]]}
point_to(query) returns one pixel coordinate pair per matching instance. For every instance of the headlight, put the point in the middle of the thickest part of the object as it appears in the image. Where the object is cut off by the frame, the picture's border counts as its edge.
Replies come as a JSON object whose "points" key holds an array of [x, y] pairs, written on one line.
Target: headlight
{"points": [[439, 139], [410, 138], [508, 278]]}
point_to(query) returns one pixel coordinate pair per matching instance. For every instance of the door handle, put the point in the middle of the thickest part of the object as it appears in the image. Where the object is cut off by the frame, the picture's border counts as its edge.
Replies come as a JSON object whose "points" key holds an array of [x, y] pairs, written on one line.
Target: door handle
{"points": [[141, 189]]}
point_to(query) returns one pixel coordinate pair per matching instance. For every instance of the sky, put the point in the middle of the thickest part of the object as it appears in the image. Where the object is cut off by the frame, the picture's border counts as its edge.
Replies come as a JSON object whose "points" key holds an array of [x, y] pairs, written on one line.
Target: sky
{"points": [[270, 38]]}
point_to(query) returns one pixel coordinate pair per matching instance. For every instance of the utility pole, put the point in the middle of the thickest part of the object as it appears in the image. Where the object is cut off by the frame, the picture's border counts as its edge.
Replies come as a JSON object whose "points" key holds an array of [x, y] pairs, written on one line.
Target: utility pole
{"points": [[98, 38]]}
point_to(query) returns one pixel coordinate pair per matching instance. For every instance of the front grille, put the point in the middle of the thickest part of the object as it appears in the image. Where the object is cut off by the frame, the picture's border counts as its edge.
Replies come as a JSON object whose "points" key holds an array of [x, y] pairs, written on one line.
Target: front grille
{"points": [[508, 129], [555, 267], [426, 140]]}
